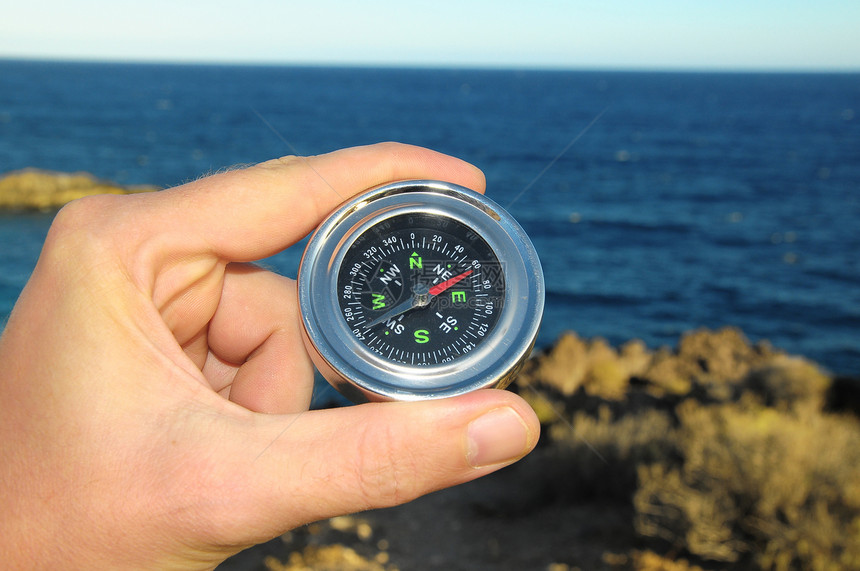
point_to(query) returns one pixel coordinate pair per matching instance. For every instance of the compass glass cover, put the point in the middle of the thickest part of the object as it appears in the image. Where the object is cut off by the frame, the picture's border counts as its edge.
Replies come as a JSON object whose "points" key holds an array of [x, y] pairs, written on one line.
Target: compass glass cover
{"points": [[420, 289]]}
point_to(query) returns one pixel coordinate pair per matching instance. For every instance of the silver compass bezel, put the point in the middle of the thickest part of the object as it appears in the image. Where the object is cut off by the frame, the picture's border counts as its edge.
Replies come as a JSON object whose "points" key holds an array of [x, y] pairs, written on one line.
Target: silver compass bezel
{"points": [[359, 372]]}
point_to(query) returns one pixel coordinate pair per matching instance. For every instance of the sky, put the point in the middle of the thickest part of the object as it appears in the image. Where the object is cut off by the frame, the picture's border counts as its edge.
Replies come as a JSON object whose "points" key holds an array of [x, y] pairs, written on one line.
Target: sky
{"points": [[781, 35]]}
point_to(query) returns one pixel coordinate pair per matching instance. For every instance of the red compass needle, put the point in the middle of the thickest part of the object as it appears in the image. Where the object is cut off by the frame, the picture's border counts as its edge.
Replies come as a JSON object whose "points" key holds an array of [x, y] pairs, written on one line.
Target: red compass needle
{"points": [[440, 287]]}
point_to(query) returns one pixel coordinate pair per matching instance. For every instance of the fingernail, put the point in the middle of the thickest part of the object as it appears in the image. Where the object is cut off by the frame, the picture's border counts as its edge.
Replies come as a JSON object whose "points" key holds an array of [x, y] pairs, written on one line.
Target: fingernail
{"points": [[497, 437]]}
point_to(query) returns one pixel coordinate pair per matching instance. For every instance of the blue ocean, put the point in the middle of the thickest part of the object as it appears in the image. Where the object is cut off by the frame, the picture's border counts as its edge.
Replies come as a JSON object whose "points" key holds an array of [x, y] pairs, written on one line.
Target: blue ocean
{"points": [[659, 202]]}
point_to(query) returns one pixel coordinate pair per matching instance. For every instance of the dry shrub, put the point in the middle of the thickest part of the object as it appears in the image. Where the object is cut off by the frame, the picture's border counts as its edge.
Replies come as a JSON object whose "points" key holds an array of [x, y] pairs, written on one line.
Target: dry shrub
{"points": [[712, 363], [755, 483], [338, 544], [647, 561], [650, 561], [667, 376], [607, 379], [598, 456], [326, 558], [594, 365], [722, 445], [547, 411], [562, 367], [790, 384]]}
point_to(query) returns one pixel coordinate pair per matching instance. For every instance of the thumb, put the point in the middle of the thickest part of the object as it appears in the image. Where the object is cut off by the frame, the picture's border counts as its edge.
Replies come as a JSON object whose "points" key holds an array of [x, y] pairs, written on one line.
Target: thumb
{"points": [[375, 455]]}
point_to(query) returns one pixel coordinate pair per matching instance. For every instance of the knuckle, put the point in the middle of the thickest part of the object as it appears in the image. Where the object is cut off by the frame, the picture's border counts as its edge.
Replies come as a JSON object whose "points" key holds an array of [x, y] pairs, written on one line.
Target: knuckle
{"points": [[80, 219], [384, 469], [82, 232], [284, 162]]}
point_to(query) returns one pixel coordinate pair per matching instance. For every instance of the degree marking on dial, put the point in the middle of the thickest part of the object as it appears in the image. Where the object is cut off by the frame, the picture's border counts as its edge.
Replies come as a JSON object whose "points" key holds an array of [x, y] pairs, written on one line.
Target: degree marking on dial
{"points": [[381, 250]]}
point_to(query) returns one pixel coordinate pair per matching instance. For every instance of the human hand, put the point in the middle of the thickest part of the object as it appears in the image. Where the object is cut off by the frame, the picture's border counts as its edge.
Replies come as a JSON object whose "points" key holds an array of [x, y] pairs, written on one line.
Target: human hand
{"points": [[154, 388]]}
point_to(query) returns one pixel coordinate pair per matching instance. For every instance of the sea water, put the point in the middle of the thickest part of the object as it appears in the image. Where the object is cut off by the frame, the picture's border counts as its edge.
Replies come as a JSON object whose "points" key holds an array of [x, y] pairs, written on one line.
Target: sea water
{"points": [[658, 202]]}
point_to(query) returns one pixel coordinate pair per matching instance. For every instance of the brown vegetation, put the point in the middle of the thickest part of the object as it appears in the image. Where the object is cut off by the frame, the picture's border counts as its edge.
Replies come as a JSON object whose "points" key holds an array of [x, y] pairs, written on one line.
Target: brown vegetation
{"points": [[717, 454], [725, 448]]}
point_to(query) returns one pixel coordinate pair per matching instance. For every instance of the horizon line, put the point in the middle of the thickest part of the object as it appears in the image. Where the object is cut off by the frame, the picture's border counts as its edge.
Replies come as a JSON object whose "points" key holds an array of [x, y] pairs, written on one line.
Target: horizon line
{"points": [[417, 65]]}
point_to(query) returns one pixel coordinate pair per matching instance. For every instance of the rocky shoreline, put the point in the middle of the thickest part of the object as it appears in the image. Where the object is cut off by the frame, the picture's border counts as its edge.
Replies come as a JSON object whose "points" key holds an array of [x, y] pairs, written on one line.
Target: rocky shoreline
{"points": [[716, 454], [35, 189]]}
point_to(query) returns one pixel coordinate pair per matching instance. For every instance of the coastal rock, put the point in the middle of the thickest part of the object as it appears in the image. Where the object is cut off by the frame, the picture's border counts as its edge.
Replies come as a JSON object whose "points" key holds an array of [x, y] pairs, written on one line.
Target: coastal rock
{"points": [[34, 189]]}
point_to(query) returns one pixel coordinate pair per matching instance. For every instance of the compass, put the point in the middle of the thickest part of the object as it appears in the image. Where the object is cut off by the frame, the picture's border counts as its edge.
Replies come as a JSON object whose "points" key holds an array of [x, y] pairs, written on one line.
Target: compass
{"points": [[419, 289]]}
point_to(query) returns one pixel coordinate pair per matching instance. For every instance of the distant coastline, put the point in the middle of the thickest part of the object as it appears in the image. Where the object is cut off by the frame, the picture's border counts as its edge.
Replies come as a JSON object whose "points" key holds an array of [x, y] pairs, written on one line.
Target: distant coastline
{"points": [[36, 189]]}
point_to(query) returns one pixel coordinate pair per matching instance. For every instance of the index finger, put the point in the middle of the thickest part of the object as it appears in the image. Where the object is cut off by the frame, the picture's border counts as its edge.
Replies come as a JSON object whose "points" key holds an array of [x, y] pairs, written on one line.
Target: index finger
{"points": [[249, 214]]}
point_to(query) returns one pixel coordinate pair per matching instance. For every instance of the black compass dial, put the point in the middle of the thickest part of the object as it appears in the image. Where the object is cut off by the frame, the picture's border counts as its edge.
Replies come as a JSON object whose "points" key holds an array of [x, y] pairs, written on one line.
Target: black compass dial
{"points": [[420, 289]]}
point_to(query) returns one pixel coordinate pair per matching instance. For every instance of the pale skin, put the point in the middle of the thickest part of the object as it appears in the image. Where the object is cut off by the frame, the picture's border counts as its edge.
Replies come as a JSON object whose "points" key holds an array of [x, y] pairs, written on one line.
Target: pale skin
{"points": [[154, 387]]}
